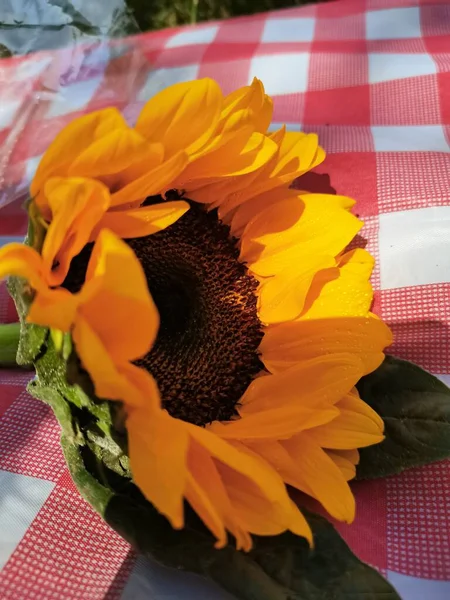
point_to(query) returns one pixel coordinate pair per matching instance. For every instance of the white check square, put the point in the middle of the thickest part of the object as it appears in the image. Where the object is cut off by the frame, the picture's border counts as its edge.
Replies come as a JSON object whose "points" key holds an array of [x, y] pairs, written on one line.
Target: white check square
{"points": [[285, 73], [414, 247], [415, 588], [189, 37], [75, 96], [162, 78], [21, 498], [393, 23], [409, 138], [386, 67], [289, 30]]}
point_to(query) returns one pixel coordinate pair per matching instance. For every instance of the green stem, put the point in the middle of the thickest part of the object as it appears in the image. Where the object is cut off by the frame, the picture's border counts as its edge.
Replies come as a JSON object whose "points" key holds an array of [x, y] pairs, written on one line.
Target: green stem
{"points": [[9, 343], [194, 9]]}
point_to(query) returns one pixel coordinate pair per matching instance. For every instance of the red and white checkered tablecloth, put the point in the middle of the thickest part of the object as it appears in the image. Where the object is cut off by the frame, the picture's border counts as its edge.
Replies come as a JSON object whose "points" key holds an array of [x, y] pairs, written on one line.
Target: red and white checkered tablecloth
{"points": [[372, 77]]}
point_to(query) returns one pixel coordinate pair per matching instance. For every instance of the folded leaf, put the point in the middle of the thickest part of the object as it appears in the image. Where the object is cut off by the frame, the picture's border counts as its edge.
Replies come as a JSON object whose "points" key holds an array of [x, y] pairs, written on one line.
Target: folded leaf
{"points": [[415, 408], [278, 568]]}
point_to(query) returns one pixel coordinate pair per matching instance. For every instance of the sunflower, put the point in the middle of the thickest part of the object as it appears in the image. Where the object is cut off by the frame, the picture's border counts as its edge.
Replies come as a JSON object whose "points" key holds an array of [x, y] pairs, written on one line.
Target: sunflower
{"points": [[233, 323]]}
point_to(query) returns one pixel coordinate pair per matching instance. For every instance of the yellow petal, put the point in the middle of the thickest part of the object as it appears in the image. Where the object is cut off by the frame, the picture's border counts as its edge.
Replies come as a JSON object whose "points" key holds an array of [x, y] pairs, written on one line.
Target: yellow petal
{"points": [[282, 297], [247, 97], [218, 192], [116, 292], [143, 221], [22, 261], [278, 406], [319, 476], [50, 308], [255, 184], [264, 117], [318, 158], [206, 492], [95, 358], [183, 116], [353, 402], [346, 466], [353, 428], [341, 292], [151, 158], [243, 153], [297, 154], [152, 183], [255, 512], [125, 382], [158, 446], [293, 230], [254, 99], [320, 381], [112, 153], [280, 423], [53, 308], [139, 389], [265, 490], [69, 144], [286, 345], [277, 455], [268, 482], [351, 455], [349, 430], [247, 211], [357, 262], [77, 205]]}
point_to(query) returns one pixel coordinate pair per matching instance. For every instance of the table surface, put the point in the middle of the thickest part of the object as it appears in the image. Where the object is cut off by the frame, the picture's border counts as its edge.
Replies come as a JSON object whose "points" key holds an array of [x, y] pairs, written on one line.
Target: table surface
{"points": [[373, 79]]}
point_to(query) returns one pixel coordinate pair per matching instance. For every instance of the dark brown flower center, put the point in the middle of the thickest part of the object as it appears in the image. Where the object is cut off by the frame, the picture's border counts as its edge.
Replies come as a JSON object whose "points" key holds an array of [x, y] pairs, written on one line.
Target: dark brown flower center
{"points": [[205, 355], [206, 351]]}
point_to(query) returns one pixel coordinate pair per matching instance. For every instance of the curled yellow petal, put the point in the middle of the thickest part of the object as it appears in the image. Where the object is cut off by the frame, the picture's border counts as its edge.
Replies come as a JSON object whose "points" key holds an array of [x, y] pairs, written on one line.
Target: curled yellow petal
{"points": [[77, 205], [69, 144], [22, 261], [49, 308], [116, 280], [143, 221]]}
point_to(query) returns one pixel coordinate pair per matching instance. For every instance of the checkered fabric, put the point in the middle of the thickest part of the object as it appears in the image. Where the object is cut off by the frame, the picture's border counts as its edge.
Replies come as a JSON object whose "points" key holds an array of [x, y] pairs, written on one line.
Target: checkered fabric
{"points": [[372, 77]]}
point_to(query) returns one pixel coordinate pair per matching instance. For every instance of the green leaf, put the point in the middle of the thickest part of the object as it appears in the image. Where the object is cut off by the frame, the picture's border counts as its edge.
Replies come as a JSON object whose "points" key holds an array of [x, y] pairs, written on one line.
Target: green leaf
{"points": [[415, 407], [92, 491], [37, 227], [278, 568], [32, 337], [9, 344]]}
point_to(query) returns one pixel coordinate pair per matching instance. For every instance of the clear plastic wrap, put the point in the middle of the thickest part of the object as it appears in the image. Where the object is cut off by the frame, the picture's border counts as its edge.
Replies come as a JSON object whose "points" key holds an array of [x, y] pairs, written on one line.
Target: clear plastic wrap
{"points": [[33, 25], [42, 92]]}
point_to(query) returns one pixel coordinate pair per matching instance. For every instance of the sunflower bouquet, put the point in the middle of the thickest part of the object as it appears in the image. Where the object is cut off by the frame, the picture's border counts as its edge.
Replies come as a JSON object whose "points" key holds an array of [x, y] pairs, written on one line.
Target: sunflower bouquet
{"points": [[203, 332]]}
